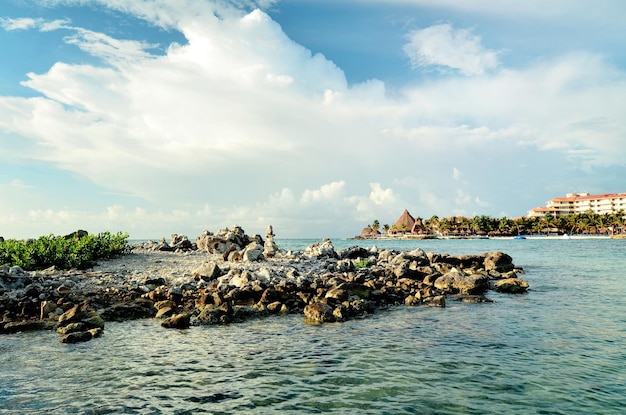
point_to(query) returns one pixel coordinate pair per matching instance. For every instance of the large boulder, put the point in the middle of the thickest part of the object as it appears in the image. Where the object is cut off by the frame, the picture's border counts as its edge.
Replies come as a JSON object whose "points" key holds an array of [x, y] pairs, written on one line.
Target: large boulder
{"points": [[319, 313], [511, 286], [180, 242], [321, 250], [458, 282], [498, 261], [208, 272], [177, 321], [253, 252]]}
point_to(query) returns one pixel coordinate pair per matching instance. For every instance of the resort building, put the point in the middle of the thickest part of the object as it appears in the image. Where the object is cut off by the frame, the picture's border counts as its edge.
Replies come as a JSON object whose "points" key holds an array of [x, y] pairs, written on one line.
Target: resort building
{"points": [[575, 203], [407, 224]]}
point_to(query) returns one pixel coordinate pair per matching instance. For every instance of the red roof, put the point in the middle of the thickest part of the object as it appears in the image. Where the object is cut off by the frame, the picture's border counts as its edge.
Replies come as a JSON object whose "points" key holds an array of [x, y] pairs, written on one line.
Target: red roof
{"points": [[589, 197], [544, 209]]}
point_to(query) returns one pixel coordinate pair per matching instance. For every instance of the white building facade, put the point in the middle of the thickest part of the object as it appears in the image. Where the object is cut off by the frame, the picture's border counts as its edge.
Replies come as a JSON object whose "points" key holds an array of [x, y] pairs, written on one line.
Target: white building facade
{"points": [[575, 203]]}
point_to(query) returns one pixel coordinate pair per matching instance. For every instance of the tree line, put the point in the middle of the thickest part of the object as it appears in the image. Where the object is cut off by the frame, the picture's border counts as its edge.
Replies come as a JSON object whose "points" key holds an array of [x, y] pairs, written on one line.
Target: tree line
{"points": [[588, 223]]}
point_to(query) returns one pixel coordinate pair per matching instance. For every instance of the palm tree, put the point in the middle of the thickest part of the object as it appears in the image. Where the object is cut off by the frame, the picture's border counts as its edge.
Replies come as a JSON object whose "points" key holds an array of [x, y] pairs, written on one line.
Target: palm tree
{"points": [[386, 228], [432, 224], [505, 226], [376, 225], [444, 226]]}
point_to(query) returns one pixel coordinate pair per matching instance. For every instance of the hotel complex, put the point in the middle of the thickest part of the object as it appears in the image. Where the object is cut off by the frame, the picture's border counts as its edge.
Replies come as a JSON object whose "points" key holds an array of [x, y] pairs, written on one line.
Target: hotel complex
{"points": [[574, 203]]}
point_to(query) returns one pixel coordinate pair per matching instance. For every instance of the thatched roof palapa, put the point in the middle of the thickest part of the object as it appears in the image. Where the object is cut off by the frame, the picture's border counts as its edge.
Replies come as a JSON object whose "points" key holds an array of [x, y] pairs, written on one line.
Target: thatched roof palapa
{"points": [[404, 223], [368, 232]]}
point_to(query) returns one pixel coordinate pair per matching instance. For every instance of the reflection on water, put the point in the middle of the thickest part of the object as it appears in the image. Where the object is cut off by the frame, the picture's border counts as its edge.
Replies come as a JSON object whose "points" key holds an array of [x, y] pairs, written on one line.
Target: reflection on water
{"points": [[559, 349]]}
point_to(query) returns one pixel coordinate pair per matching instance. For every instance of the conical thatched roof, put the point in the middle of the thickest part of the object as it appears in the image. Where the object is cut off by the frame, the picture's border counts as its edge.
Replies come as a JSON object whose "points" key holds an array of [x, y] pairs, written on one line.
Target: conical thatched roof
{"points": [[418, 227], [367, 231], [404, 223]]}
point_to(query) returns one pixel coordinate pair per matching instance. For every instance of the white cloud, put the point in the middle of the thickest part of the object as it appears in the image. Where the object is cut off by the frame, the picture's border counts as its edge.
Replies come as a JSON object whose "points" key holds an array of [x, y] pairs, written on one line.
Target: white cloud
{"points": [[443, 46], [26, 23], [380, 196], [23, 23], [243, 125], [327, 192]]}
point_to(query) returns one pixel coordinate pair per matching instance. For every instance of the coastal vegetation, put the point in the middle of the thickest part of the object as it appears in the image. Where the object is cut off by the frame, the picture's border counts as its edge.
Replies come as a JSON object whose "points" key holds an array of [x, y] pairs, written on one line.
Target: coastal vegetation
{"points": [[78, 250], [587, 223]]}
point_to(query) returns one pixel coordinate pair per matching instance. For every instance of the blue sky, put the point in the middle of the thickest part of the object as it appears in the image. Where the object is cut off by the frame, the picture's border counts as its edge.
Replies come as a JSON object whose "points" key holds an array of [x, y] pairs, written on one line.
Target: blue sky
{"points": [[157, 117]]}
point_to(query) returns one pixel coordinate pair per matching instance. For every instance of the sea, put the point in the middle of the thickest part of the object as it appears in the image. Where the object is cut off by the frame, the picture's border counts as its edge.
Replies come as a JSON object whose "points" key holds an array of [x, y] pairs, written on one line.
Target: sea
{"points": [[559, 349]]}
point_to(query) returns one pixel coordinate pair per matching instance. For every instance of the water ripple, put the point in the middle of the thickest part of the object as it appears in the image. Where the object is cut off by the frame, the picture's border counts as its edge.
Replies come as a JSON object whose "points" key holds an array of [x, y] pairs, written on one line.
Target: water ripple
{"points": [[557, 350]]}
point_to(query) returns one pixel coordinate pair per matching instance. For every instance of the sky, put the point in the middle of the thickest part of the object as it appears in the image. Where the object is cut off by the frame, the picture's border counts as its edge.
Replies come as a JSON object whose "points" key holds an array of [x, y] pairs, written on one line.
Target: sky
{"points": [[318, 117]]}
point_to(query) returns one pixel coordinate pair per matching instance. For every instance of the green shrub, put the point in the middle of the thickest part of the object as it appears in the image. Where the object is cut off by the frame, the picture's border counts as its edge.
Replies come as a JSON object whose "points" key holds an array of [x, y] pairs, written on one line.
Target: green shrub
{"points": [[62, 252], [363, 263]]}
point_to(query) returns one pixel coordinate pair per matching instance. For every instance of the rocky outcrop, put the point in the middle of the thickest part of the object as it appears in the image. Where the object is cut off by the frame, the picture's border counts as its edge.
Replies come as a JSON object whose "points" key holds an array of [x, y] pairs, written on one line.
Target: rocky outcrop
{"points": [[511, 286], [229, 277], [79, 324], [459, 282], [321, 250], [178, 321]]}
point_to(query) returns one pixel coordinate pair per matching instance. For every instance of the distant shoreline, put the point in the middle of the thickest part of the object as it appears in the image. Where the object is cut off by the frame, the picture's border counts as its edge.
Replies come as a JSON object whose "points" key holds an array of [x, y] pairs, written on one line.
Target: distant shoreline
{"points": [[453, 237]]}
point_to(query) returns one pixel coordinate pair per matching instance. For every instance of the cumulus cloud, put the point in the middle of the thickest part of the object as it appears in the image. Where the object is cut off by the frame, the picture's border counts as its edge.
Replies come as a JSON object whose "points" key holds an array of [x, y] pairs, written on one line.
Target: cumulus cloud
{"points": [[241, 124], [443, 46]]}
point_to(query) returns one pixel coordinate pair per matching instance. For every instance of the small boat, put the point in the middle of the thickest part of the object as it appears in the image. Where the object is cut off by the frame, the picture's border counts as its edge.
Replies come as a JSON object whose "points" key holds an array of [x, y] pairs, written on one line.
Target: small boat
{"points": [[565, 236], [519, 237]]}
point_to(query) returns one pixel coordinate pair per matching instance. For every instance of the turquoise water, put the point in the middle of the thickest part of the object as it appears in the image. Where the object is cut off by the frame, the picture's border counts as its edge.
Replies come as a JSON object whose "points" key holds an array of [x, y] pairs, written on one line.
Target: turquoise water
{"points": [[560, 349]]}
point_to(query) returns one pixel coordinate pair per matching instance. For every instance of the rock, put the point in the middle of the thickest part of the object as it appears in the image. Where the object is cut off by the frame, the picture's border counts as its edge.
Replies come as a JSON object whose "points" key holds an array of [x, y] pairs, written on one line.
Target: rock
{"points": [[208, 272], [221, 314], [95, 332], [458, 282], [473, 299], [73, 315], [178, 321], [71, 328], [274, 307], [77, 234], [270, 249], [94, 321], [202, 241], [323, 250], [498, 261], [253, 252], [154, 282], [47, 307], [163, 246], [411, 300], [131, 310], [337, 293], [13, 278], [235, 256], [317, 313], [77, 337], [437, 301], [180, 242], [511, 286], [354, 252], [164, 312]]}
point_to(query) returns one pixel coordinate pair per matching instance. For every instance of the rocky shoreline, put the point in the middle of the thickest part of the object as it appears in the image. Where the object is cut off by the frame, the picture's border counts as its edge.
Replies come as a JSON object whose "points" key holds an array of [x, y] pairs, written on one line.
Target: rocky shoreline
{"points": [[229, 277]]}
